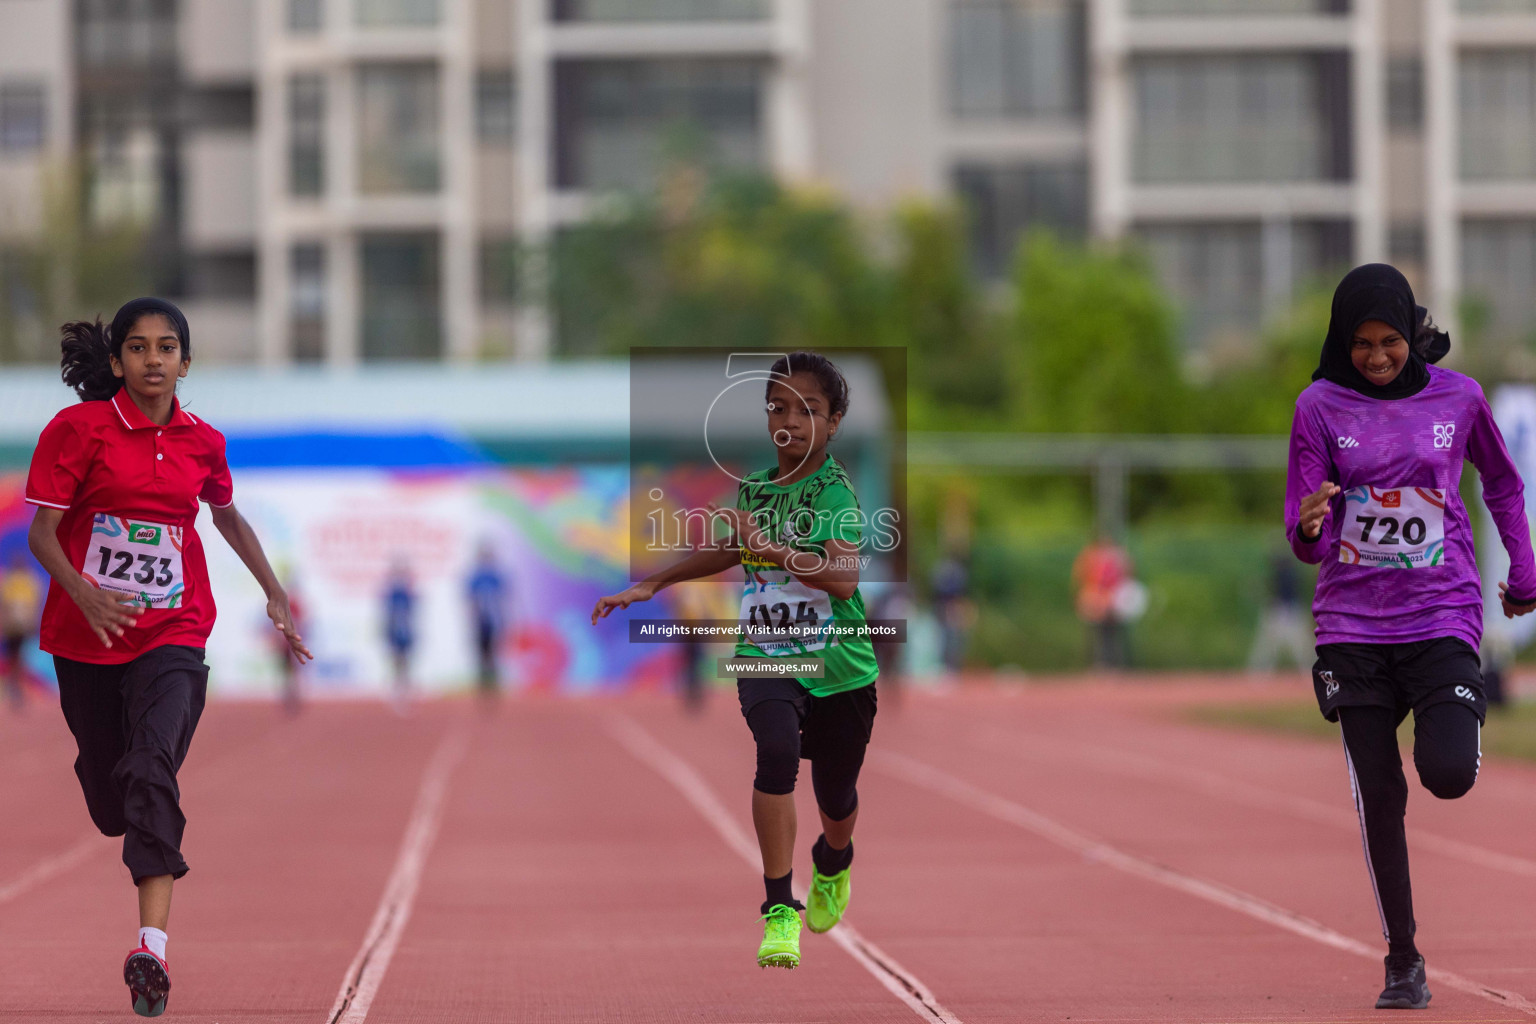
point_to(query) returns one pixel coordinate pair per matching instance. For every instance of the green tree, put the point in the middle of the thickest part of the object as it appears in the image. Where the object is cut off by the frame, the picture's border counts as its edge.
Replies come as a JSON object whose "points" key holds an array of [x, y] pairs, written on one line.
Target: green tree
{"points": [[72, 269], [738, 263], [1093, 343]]}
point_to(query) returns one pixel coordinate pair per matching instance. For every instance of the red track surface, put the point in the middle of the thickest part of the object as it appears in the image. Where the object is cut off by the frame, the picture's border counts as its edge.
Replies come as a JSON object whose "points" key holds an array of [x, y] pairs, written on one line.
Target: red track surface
{"points": [[1041, 853]]}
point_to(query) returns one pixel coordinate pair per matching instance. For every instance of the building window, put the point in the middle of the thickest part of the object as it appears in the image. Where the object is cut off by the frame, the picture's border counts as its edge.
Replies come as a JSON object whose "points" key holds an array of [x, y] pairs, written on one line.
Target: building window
{"points": [[306, 135], [397, 125], [661, 10], [1227, 276], [222, 276], [306, 301], [1405, 93], [1017, 60], [124, 152], [23, 117], [499, 262], [306, 16], [1498, 264], [1406, 246], [618, 123], [221, 107], [396, 13], [1498, 114], [495, 106], [126, 33], [1153, 8], [1242, 118], [402, 316], [1005, 202]]}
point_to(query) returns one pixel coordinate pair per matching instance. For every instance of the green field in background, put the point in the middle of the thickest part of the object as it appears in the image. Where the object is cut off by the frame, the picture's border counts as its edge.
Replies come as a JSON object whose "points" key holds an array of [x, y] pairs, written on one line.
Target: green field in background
{"points": [[1207, 584], [1510, 732]]}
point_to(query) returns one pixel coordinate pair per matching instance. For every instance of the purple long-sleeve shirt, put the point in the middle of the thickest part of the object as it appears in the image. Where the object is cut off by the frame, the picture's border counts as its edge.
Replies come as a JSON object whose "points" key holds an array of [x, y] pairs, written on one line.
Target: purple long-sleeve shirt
{"points": [[1398, 563]]}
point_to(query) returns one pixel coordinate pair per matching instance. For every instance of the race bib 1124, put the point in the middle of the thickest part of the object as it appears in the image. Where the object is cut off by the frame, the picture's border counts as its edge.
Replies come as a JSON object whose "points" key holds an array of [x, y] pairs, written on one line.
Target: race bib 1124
{"points": [[1393, 527], [782, 616], [130, 556]]}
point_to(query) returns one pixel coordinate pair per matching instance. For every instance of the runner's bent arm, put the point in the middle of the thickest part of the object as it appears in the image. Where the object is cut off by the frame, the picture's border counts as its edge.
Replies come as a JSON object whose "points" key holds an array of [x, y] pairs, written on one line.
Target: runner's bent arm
{"points": [[834, 569], [238, 533], [1504, 495], [1309, 487], [701, 564], [106, 612]]}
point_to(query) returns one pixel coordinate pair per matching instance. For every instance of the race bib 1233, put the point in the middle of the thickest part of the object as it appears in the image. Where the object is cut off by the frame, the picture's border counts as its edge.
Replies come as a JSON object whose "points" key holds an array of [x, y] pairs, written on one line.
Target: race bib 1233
{"points": [[130, 556]]}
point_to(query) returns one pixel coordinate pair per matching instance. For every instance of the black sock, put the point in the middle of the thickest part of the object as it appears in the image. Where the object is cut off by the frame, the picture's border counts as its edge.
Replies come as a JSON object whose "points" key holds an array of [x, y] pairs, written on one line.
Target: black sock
{"points": [[1403, 949], [780, 892], [829, 861]]}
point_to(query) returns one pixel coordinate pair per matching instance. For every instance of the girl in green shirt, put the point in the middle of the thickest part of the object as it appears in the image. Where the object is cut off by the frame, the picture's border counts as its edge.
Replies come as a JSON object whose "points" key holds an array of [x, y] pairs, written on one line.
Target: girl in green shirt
{"points": [[796, 529]]}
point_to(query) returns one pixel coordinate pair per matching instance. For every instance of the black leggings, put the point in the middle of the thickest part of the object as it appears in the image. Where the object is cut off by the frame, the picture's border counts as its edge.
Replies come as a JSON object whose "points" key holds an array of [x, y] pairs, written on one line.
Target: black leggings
{"points": [[834, 778], [789, 723], [133, 724], [1446, 752]]}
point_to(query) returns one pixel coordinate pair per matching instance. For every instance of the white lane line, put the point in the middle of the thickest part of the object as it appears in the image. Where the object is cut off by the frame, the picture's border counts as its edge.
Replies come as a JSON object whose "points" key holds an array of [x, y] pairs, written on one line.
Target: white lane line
{"points": [[1113, 761], [935, 780], [899, 981], [48, 867], [366, 972]]}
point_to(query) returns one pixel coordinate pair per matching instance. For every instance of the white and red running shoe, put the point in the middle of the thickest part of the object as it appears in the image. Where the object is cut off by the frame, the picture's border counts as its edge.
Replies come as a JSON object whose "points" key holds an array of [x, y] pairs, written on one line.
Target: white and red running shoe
{"points": [[149, 982]]}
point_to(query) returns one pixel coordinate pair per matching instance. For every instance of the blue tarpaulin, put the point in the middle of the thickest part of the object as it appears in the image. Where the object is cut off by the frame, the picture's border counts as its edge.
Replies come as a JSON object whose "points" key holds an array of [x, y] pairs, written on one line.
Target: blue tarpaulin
{"points": [[373, 449]]}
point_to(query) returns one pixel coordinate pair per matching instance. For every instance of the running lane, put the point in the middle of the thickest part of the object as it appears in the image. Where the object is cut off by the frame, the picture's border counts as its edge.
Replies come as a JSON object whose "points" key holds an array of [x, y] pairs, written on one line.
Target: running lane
{"points": [[570, 882], [292, 828], [560, 872], [1006, 925]]}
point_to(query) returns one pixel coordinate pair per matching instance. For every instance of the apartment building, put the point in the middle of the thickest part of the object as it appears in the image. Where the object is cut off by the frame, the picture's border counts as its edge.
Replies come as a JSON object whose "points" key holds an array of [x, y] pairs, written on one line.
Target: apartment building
{"points": [[348, 180]]}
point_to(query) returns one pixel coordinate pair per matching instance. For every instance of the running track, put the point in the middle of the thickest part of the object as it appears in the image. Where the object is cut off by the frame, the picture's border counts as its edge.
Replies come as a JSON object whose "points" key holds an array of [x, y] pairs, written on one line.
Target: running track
{"points": [[1060, 852]]}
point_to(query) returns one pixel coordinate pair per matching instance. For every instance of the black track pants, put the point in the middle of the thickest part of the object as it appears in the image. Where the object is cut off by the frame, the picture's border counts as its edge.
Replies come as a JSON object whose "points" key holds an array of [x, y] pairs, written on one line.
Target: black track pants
{"points": [[133, 724], [1446, 753]]}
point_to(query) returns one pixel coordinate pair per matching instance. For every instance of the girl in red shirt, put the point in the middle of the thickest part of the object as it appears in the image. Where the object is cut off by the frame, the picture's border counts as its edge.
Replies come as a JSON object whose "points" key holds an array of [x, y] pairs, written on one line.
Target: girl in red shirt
{"points": [[117, 480]]}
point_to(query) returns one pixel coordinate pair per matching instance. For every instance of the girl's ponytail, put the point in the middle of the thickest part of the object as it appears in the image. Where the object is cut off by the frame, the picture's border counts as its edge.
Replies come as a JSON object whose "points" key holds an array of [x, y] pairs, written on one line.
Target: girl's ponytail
{"points": [[87, 360]]}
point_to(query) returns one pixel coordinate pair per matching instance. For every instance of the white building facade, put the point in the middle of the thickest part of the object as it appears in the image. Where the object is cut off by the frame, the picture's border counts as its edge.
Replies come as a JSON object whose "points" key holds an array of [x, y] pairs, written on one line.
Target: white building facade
{"points": [[353, 180]]}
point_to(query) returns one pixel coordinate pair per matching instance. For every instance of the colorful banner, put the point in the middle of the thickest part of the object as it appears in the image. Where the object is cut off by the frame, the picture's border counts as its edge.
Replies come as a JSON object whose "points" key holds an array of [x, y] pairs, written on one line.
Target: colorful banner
{"points": [[557, 536]]}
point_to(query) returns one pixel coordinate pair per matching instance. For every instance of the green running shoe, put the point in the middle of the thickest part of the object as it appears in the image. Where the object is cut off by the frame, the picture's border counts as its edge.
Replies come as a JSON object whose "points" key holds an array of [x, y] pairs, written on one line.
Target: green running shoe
{"points": [[781, 938], [828, 900]]}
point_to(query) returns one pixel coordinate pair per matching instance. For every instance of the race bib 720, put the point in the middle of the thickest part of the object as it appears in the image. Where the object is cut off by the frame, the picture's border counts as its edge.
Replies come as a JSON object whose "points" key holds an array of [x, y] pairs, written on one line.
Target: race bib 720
{"points": [[1393, 527], [130, 556]]}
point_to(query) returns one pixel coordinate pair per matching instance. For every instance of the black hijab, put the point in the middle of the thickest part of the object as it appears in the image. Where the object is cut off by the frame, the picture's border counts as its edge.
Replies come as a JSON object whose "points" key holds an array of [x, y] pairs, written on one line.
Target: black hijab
{"points": [[1377, 291]]}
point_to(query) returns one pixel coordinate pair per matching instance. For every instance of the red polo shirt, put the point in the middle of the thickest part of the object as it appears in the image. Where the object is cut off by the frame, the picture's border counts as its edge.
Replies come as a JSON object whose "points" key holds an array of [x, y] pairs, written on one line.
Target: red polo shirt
{"points": [[130, 490]]}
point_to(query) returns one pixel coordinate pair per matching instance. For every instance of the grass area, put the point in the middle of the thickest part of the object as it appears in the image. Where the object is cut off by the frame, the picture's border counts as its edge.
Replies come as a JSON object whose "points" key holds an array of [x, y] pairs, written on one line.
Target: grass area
{"points": [[1206, 582], [1510, 732]]}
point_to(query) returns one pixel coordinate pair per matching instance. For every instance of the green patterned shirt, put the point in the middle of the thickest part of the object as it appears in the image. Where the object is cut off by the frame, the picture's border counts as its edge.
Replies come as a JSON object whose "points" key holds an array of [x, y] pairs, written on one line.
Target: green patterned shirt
{"points": [[805, 515]]}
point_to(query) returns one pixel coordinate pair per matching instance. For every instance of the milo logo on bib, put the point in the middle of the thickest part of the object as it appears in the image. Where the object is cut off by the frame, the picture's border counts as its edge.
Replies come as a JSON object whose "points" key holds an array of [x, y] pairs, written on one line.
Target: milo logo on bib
{"points": [[144, 533], [1393, 527]]}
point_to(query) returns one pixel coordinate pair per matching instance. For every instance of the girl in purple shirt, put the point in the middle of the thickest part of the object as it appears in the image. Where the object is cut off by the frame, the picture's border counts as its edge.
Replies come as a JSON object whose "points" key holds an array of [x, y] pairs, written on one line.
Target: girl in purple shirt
{"points": [[1373, 495]]}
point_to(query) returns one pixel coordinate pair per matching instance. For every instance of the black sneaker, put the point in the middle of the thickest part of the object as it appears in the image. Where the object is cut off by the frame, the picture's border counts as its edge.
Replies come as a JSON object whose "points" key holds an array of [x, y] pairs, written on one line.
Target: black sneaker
{"points": [[1406, 988]]}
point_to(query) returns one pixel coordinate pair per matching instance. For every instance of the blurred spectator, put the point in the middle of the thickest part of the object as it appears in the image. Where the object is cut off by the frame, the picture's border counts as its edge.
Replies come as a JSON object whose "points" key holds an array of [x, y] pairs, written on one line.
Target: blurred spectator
{"points": [[1107, 596], [953, 607], [694, 602], [889, 602], [1282, 624], [21, 597], [400, 629], [487, 593]]}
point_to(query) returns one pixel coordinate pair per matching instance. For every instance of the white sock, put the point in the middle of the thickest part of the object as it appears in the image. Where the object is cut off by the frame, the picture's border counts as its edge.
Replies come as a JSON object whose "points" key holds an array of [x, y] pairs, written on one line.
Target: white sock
{"points": [[153, 939]]}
